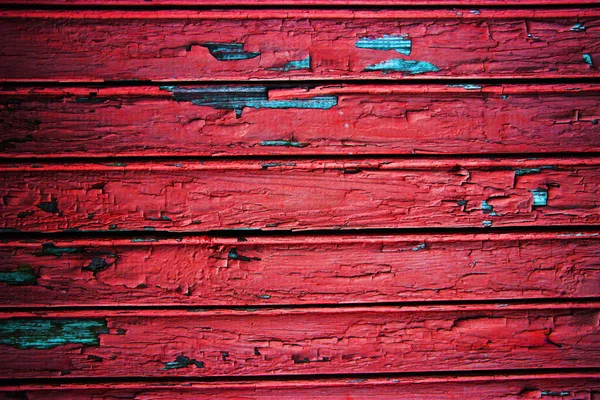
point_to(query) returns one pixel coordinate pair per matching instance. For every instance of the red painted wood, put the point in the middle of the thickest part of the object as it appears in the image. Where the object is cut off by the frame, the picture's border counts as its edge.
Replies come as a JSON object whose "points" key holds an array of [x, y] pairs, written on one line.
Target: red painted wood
{"points": [[298, 195], [317, 341], [301, 270], [566, 386], [87, 46], [386, 119]]}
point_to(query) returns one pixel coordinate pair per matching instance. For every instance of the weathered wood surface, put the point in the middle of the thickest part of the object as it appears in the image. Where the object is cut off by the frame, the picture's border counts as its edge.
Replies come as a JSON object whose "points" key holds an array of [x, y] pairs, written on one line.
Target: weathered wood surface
{"points": [[354, 119], [299, 270], [156, 343], [566, 386], [177, 45], [299, 195]]}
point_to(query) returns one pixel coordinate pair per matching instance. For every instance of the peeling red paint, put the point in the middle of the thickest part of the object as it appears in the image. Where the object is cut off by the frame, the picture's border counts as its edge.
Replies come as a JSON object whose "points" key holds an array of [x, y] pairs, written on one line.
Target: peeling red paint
{"points": [[300, 195], [84, 46], [387, 119], [304, 270], [318, 341], [101, 171]]}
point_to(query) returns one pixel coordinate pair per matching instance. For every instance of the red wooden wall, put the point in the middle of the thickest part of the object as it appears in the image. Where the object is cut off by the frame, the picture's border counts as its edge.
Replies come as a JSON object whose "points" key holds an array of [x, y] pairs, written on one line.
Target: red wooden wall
{"points": [[297, 199]]}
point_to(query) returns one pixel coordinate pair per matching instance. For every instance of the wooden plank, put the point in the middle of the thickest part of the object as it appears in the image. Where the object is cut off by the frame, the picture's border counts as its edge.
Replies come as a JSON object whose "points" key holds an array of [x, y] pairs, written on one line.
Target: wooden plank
{"points": [[154, 343], [359, 119], [566, 386], [174, 45], [299, 270], [299, 195]]}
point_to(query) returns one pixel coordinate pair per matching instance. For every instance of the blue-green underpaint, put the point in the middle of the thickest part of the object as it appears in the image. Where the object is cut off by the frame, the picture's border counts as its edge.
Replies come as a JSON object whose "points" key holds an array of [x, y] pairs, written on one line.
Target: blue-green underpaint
{"points": [[486, 224], [553, 393], [283, 143], [486, 207], [529, 171], [540, 197], [50, 249], [421, 246], [578, 27], [588, 60], [142, 240], [229, 51], [295, 65], [400, 43], [467, 86], [399, 65], [23, 276], [183, 362], [29, 333], [238, 98]]}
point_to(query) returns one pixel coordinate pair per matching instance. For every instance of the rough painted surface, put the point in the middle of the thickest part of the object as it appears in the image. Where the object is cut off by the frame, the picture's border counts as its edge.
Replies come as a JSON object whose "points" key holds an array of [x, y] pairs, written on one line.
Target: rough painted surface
{"points": [[309, 341], [259, 44], [302, 270], [366, 119], [299, 195], [566, 386]]}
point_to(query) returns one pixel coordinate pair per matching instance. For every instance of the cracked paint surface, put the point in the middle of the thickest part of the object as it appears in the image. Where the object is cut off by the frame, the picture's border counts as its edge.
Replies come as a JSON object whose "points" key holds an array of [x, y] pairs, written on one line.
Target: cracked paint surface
{"points": [[254, 44], [298, 195], [343, 340], [388, 119], [287, 270]]}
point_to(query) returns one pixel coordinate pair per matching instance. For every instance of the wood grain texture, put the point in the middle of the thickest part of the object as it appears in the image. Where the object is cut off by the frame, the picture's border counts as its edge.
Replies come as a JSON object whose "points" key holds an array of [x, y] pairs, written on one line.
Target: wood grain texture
{"points": [[566, 386], [299, 270], [83, 46], [299, 195], [155, 343], [366, 119]]}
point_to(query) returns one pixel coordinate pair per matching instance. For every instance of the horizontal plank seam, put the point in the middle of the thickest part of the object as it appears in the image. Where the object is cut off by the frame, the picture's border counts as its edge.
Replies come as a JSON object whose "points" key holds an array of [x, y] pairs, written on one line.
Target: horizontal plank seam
{"points": [[291, 83], [157, 235], [49, 159], [304, 377], [316, 306], [295, 12], [278, 5]]}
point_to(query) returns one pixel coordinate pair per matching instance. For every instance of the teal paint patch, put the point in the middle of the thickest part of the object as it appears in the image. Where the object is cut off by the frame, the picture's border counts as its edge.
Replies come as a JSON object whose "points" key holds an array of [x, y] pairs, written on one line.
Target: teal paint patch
{"points": [[400, 43], [467, 86], [486, 207], [283, 143], [486, 224], [238, 98], [294, 65], [578, 27], [50, 249], [399, 65], [529, 171], [29, 333], [143, 240], [421, 246], [229, 51], [553, 393], [588, 60], [23, 276], [49, 206], [183, 362], [540, 197]]}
